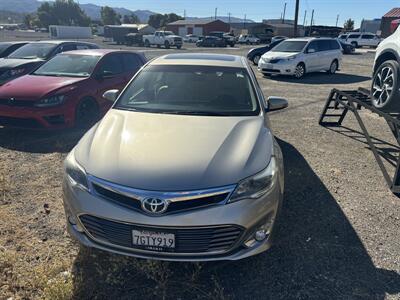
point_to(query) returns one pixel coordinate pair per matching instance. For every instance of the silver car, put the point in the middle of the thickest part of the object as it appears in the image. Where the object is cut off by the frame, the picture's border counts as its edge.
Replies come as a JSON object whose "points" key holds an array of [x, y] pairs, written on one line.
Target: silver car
{"points": [[183, 167]]}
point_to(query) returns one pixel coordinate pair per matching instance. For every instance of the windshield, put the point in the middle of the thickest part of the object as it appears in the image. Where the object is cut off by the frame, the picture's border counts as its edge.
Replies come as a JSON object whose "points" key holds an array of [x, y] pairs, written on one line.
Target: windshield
{"points": [[168, 33], [68, 65], [34, 50], [4, 46], [191, 90], [290, 46]]}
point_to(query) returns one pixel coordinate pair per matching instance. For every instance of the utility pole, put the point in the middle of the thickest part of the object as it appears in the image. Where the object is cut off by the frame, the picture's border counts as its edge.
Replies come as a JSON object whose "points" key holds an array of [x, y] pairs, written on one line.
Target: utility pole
{"points": [[305, 18], [184, 14], [229, 18], [312, 20], [337, 20], [216, 12], [284, 14], [244, 21], [296, 17]]}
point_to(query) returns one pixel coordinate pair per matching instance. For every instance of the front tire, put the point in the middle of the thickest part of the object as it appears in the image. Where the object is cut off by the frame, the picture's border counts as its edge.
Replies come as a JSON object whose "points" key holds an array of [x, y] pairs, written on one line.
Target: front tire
{"points": [[355, 44], [385, 90], [147, 43], [178, 47], [334, 67], [256, 59], [167, 45], [300, 71], [87, 113]]}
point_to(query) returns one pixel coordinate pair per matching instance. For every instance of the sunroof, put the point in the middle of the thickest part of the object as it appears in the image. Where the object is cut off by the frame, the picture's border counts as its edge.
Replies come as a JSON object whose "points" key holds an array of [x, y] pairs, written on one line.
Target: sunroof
{"points": [[201, 57]]}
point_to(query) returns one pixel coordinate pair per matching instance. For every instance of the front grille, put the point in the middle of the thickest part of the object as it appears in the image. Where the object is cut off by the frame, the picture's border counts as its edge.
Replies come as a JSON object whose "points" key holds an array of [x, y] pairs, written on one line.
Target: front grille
{"points": [[18, 122], [133, 203], [187, 240], [17, 103]]}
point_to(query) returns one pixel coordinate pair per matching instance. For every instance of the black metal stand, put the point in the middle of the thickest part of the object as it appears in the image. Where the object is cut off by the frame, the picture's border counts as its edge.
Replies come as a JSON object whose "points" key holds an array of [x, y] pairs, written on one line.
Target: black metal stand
{"points": [[340, 103]]}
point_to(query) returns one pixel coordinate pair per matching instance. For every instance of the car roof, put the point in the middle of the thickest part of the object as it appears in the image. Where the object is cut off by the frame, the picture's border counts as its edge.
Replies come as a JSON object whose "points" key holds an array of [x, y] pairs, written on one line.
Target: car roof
{"points": [[58, 42], [308, 39], [97, 52], [200, 59]]}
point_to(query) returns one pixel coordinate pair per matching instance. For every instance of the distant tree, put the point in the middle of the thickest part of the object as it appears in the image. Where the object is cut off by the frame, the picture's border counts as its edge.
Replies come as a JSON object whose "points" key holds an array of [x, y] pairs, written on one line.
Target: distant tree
{"points": [[348, 25], [29, 20], [109, 16], [132, 19], [62, 12], [159, 20]]}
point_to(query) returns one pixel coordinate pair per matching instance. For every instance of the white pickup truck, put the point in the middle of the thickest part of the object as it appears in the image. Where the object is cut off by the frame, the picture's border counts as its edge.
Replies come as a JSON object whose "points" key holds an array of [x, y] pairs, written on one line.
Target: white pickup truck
{"points": [[163, 38]]}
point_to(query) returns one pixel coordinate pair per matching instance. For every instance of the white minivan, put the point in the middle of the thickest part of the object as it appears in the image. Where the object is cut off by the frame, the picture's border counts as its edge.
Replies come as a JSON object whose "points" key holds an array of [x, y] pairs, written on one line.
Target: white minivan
{"points": [[363, 39], [302, 55]]}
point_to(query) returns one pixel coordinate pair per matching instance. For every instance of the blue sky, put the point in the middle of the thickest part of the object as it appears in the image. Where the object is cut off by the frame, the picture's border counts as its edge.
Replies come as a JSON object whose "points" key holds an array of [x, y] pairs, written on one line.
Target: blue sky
{"points": [[326, 11]]}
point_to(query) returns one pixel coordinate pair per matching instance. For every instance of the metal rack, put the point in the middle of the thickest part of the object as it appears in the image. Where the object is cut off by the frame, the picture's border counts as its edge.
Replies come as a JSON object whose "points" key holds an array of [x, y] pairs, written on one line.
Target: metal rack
{"points": [[337, 107]]}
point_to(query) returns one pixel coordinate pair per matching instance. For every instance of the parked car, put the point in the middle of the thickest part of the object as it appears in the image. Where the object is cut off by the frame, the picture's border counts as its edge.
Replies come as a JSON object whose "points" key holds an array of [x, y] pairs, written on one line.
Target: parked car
{"points": [[302, 55], [255, 54], [385, 89], [363, 39], [191, 38], [343, 36], [211, 41], [67, 90], [213, 198], [132, 39], [347, 47], [6, 48], [163, 38], [248, 39], [229, 39], [278, 38], [30, 56]]}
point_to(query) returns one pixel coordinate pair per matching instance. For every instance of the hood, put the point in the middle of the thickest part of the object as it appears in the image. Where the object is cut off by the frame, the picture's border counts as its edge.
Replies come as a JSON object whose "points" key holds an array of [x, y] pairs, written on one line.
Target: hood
{"points": [[11, 63], [161, 152], [32, 87], [174, 36], [279, 55]]}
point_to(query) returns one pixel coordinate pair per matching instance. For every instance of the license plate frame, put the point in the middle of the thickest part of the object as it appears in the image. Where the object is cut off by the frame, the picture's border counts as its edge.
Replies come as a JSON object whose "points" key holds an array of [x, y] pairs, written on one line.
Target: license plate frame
{"points": [[153, 240]]}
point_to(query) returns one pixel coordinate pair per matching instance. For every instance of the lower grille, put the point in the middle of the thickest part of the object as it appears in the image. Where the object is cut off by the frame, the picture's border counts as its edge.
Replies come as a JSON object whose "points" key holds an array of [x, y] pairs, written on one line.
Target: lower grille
{"points": [[17, 103], [187, 240], [271, 70], [18, 122]]}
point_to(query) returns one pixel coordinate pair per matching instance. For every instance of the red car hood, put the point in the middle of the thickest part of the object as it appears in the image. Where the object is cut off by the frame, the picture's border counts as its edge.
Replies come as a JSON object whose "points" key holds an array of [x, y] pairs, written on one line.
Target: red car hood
{"points": [[32, 87]]}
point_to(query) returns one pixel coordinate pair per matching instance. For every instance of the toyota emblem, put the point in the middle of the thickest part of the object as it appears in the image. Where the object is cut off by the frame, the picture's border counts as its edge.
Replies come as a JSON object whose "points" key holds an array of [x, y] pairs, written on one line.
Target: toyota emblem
{"points": [[154, 205]]}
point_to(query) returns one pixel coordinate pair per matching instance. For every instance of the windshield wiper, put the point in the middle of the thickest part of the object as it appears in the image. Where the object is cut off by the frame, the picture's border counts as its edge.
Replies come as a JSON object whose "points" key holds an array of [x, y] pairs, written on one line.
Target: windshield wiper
{"points": [[194, 113]]}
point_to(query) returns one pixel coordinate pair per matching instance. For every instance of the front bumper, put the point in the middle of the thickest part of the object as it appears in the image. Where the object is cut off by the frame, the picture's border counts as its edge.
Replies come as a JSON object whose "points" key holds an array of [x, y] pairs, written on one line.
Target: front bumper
{"points": [[249, 215], [36, 118], [283, 67]]}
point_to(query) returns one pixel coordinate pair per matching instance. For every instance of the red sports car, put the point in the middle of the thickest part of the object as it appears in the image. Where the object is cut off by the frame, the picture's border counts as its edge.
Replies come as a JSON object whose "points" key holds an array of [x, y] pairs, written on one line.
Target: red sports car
{"points": [[67, 90]]}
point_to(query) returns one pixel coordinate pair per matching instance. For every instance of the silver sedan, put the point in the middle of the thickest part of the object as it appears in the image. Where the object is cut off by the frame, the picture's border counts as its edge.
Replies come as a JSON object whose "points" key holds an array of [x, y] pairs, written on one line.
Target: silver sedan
{"points": [[183, 167]]}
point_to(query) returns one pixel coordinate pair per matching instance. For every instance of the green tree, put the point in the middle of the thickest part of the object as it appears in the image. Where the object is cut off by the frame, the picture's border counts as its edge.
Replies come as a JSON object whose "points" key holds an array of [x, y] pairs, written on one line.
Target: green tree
{"points": [[348, 25], [132, 19], [159, 20], [109, 16], [29, 20], [62, 12]]}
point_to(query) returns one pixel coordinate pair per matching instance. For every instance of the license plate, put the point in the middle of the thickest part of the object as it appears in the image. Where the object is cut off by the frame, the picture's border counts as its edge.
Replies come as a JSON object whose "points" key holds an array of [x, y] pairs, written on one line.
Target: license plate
{"points": [[153, 240]]}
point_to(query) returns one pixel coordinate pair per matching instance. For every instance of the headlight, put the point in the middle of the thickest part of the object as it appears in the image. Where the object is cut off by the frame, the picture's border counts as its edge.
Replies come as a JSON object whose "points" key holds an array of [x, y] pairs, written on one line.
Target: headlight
{"points": [[292, 58], [75, 173], [257, 185], [51, 101]]}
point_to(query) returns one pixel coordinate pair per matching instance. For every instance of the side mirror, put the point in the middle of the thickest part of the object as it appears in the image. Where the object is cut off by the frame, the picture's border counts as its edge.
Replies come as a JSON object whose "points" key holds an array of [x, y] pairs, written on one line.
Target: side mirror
{"points": [[311, 50], [111, 95], [277, 103]]}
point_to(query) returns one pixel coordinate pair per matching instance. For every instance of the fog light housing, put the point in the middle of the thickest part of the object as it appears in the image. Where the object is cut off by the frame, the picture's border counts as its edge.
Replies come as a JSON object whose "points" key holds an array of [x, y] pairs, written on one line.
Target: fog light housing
{"points": [[260, 235], [262, 231], [72, 220], [288, 71]]}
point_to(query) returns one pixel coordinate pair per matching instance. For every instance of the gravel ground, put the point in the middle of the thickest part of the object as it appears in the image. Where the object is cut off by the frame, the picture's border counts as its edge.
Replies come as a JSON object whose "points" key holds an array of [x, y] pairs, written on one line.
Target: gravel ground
{"points": [[337, 237]]}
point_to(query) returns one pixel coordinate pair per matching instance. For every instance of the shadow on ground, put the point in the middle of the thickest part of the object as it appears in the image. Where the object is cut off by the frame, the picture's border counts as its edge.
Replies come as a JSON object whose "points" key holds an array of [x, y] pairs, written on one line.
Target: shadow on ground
{"points": [[317, 255], [324, 78], [39, 141]]}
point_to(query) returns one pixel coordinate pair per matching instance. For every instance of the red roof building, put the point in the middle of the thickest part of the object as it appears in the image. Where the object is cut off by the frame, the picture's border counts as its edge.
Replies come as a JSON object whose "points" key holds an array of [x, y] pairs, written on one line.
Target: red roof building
{"points": [[387, 19]]}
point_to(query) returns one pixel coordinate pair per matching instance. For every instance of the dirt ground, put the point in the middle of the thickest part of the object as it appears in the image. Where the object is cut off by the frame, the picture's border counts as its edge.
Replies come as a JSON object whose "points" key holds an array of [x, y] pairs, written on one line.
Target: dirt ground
{"points": [[338, 237]]}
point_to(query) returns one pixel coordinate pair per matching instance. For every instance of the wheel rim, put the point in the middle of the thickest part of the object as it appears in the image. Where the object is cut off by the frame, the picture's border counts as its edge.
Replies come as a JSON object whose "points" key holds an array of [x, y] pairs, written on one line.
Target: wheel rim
{"points": [[333, 67], [299, 72], [86, 114], [256, 59], [382, 86]]}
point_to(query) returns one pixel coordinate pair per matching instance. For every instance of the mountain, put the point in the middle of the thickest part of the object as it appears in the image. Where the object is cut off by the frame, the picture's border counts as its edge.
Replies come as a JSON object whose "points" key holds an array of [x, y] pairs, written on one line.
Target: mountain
{"points": [[92, 10]]}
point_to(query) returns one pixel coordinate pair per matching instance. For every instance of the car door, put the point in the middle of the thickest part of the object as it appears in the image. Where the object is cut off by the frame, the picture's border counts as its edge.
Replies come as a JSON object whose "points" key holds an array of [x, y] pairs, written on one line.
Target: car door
{"points": [[109, 75], [327, 54], [311, 57]]}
